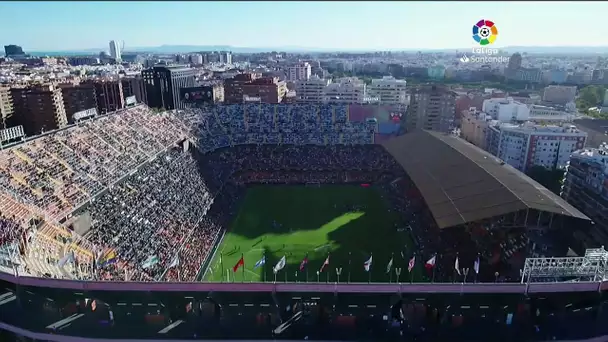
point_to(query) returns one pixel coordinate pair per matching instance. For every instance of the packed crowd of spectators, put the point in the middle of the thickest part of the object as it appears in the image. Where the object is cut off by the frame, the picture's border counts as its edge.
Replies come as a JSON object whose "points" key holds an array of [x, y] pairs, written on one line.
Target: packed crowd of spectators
{"points": [[150, 215], [229, 125], [60, 170], [156, 213]]}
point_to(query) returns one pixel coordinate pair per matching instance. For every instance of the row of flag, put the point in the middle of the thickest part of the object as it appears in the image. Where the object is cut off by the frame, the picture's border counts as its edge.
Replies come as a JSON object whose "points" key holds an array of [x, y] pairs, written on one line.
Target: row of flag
{"points": [[367, 265]]}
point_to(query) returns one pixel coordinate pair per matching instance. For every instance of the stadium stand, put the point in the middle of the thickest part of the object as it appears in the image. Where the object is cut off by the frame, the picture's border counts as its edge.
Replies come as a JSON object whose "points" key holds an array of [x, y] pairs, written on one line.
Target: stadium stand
{"points": [[158, 208]]}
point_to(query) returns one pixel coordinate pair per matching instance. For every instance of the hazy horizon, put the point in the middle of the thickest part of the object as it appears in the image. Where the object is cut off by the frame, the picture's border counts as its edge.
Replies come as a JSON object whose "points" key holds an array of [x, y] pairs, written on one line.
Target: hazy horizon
{"points": [[81, 26]]}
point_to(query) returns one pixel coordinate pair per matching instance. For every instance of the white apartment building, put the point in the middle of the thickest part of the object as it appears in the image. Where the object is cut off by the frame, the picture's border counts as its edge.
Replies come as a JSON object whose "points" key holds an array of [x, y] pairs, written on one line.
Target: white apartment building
{"points": [[506, 110], [387, 90], [299, 72], [526, 145], [550, 114], [115, 50], [311, 90], [345, 90], [560, 95]]}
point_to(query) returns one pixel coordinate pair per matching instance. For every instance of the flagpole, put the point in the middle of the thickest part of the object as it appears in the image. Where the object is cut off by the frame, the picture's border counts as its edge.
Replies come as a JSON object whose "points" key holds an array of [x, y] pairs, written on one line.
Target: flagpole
{"points": [[412, 270], [222, 264], [285, 275], [349, 262], [476, 268], [454, 269], [390, 280], [434, 267], [243, 258], [264, 268], [369, 273]]}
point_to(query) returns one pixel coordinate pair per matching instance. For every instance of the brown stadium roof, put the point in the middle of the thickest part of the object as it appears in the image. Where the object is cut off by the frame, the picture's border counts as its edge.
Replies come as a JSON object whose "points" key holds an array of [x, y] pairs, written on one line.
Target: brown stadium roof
{"points": [[462, 183]]}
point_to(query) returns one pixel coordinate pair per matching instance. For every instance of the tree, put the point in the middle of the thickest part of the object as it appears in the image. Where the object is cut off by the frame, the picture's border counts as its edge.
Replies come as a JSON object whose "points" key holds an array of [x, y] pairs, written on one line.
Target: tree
{"points": [[550, 179]]}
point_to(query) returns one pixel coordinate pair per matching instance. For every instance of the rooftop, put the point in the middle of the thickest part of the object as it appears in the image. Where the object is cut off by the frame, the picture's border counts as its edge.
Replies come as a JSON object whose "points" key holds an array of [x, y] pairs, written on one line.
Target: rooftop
{"points": [[462, 183]]}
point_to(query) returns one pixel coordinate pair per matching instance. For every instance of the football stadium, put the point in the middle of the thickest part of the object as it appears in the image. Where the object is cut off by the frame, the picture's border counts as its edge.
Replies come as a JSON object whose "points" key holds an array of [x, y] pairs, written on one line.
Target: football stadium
{"points": [[264, 221]]}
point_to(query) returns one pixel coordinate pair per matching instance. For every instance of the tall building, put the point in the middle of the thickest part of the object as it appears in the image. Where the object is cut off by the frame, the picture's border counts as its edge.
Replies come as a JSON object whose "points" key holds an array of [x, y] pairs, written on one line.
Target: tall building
{"points": [[38, 108], [431, 108], [559, 95], [78, 98], [311, 90], [134, 86], [109, 95], [6, 105], [345, 91], [225, 57], [115, 50], [163, 84], [196, 59], [526, 145], [299, 72], [586, 188], [13, 50], [515, 61], [388, 90]]}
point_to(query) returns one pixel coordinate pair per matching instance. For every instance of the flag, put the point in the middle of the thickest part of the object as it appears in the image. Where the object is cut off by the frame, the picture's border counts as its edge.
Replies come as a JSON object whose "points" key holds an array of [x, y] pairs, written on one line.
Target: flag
{"points": [[368, 263], [260, 262], [476, 265], [431, 262], [151, 261], [304, 263], [239, 263], [389, 266], [280, 265], [410, 266], [175, 262], [325, 263], [456, 266]]}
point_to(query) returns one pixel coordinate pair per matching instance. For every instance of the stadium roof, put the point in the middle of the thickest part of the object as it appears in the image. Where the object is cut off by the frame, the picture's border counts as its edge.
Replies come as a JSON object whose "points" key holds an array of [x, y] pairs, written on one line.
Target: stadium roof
{"points": [[462, 183]]}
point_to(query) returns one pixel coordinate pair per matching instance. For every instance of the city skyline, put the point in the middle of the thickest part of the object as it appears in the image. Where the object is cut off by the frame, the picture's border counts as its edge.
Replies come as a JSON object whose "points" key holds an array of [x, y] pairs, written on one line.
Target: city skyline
{"points": [[336, 25]]}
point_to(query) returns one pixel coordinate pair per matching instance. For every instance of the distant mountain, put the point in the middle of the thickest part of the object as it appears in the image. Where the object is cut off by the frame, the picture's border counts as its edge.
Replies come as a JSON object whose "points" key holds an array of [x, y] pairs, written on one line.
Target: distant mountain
{"points": [[171, 49], [570, 50]]}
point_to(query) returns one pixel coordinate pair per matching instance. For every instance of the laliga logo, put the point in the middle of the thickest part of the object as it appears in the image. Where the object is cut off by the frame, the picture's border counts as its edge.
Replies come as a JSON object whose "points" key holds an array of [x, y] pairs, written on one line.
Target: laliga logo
{"points": [[464, 59]]}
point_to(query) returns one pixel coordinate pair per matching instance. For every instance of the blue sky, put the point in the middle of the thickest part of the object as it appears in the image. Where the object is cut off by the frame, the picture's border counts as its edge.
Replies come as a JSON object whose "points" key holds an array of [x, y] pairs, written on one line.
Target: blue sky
{"points": [[52, 26]]}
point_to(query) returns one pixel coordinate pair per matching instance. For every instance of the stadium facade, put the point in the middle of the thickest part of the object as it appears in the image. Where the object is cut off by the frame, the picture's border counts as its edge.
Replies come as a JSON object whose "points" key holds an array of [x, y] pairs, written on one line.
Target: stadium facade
{"points": [[492, 211]]}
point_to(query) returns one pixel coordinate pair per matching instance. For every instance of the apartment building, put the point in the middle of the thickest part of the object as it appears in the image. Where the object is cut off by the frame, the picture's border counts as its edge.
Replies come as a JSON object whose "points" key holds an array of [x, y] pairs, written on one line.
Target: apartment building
{"points": [[432, 108], [586, 188], [475, 126], [301, 71], [525, 145], [549, 114], [311, 90], [506, 109], [345, 91], [109, 95], [6, 105], [38, 108], [559, 95], [388, 90], [252, 87], [78, 98], [134, 86]]}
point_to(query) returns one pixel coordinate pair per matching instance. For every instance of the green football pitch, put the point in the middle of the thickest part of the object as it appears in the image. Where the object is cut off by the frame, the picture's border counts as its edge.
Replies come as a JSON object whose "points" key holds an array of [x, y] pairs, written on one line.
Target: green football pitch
{"points": [[348, 223]]}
